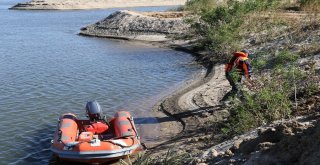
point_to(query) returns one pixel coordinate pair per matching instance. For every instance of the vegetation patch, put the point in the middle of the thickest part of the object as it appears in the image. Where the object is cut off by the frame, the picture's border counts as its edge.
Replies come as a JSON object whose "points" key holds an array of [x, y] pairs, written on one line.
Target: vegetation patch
{"points": [[280, 39], [171, 157], [223, 28]]}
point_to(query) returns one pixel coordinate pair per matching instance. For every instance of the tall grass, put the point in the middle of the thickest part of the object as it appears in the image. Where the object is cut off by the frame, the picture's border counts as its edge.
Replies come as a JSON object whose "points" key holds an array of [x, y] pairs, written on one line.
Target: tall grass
{"points": [[171, 158]]}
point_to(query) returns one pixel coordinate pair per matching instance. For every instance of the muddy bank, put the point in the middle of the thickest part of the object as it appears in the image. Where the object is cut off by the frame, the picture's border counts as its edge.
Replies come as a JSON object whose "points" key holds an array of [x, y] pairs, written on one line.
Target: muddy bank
{"points": [[87, 4]]}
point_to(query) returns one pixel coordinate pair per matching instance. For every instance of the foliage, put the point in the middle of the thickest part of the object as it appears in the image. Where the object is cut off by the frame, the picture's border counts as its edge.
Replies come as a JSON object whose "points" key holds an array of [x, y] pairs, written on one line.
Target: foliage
{"points": [[219, 26], [266, 61], [271, 100], [143, 159], [199, 6], [171, 157], [219, 29]]}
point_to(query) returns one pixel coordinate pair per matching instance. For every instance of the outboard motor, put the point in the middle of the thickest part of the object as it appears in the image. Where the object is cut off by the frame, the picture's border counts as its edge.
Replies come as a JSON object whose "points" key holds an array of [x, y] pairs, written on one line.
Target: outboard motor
{"points": [[94, 111]]}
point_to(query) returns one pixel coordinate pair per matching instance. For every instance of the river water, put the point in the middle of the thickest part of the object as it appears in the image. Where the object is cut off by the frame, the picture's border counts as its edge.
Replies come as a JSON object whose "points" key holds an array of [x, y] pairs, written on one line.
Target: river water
{"points": [[46, 69]]}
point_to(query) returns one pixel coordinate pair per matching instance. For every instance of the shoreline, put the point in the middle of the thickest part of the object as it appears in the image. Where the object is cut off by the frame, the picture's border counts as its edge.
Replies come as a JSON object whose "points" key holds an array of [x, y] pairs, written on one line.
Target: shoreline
{"points": [[195, 107], [192, 116], [192, 105], [87, 4]]}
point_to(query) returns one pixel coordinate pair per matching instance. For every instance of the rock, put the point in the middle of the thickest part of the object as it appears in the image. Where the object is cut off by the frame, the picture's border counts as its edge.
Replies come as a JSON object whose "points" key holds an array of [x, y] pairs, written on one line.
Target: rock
{"points": [[229, 153], [232, 161], [195, 139], [201, 163], [271, 134], [265, 145], [248, 146], [206, 114], [307, 67], [236, 145], [181, 146], [213, 153], [202, 138]]}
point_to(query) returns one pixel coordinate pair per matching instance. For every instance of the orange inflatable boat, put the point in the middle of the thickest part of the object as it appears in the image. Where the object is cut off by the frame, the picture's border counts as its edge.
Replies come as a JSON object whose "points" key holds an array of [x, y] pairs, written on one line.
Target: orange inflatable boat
{"points": [[95, 141]]}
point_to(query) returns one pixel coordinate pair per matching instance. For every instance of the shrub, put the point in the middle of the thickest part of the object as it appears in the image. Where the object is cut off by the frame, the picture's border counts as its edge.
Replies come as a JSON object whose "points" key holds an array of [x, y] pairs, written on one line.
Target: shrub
{"points": [[220, 25], [199, 6], [271, 100], [269, 61]]}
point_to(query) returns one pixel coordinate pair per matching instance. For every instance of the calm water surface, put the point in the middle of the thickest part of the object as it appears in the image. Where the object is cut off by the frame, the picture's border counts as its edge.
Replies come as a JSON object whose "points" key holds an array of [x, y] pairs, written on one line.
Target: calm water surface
{"points": [[46, 69]]}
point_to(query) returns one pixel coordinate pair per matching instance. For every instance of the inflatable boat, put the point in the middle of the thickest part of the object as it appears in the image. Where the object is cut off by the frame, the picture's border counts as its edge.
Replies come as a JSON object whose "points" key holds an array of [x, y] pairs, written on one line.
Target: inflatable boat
{"points": [[95, 141]]}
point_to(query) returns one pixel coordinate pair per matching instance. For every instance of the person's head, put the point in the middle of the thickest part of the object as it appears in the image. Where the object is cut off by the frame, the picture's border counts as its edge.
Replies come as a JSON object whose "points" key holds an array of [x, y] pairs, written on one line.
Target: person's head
{"points": [[246, 52], [93, 110]]}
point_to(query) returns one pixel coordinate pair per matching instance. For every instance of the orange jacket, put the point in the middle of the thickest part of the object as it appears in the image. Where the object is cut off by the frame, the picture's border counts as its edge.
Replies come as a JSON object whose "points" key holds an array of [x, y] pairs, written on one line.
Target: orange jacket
{"points": [[97, 128], [241, 61]]}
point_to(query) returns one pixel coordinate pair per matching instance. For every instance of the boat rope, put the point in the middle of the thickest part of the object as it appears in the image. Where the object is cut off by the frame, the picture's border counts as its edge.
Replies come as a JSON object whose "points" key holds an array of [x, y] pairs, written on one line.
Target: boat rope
{"points": [[118, 144], [134, 127]]}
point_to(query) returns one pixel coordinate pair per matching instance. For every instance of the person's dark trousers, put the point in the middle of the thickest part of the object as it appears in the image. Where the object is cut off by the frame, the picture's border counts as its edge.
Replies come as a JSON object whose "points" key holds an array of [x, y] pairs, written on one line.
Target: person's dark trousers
{"points": [[234, 85]]}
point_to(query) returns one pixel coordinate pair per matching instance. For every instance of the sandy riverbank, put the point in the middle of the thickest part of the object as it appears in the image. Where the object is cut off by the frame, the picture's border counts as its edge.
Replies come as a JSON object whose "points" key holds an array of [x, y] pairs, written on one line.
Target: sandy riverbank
{"points": [[88, 4], [196, 107], [194, 104]]}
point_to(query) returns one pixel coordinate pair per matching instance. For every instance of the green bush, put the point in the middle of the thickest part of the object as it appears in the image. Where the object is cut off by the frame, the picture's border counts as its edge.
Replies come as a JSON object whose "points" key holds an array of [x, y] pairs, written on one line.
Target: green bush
{"points": [[273, 60], [285, 57], [198, 6], [271, 101], [242, 119], [219, 27]]}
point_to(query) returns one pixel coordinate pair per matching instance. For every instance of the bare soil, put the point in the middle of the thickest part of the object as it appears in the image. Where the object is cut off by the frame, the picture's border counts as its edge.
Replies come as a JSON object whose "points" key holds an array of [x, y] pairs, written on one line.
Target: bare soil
{"points": [[192, 107], [167, 14]]}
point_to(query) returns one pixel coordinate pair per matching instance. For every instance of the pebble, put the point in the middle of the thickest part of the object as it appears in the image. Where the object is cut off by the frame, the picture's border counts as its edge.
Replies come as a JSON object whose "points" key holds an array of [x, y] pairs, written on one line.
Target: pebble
{"points": [[214, 153], [229, 153], [265, 145], [201, 163], [232, 161], [236, 145]]}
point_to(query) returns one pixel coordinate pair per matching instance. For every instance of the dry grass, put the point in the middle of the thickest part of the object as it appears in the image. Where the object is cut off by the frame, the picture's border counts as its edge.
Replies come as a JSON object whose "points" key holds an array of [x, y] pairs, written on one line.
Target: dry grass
{"points": [[295, 27], [311, 6], [167, 14]]}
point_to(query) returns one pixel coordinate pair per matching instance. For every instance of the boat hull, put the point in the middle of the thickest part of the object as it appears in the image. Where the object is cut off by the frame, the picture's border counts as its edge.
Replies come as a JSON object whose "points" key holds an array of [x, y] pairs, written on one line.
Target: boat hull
{"points": [[72, 143]]}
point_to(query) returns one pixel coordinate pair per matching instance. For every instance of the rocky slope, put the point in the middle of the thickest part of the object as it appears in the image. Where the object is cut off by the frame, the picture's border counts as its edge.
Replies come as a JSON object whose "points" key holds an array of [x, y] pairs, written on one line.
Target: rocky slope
{"points": [[126, 24], [88, 4], [283, 142]]}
